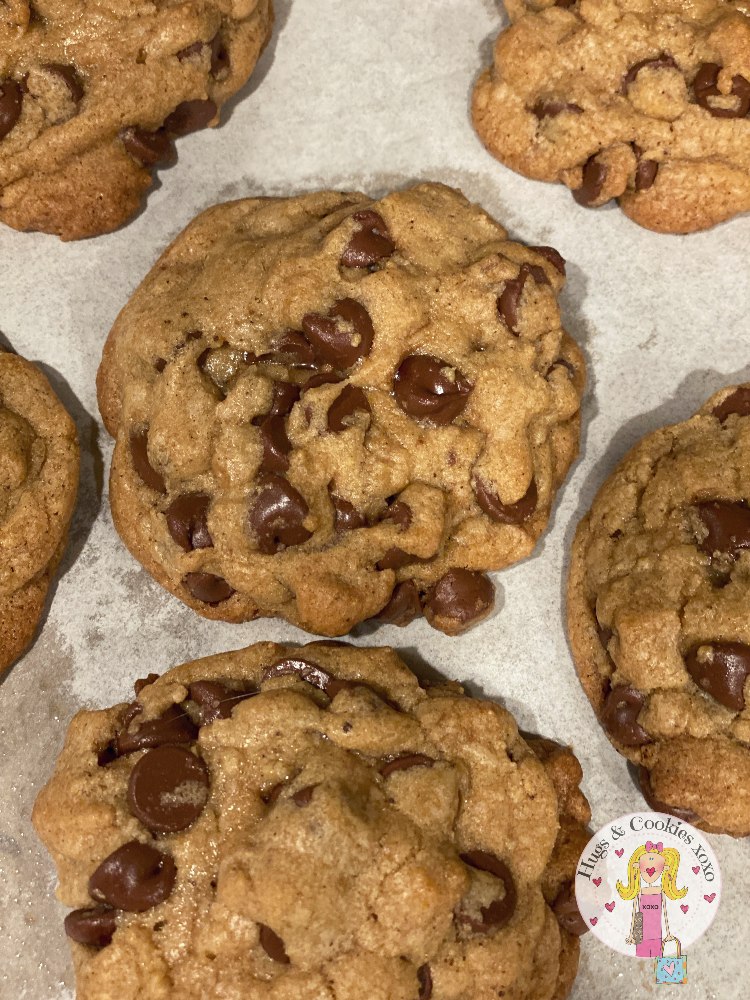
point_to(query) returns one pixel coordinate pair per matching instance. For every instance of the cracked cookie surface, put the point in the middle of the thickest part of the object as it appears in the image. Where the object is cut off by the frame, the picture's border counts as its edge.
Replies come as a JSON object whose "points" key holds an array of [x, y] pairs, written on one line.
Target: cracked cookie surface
{"points": [[328, 408], [39, 462], [645, 101], [659, 613], [309, 822], [92, 97]]}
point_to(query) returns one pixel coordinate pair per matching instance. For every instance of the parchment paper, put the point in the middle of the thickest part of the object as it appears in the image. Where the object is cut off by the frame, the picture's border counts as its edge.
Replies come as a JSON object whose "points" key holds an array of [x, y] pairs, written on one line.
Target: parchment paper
{"points": [[352, 95]]}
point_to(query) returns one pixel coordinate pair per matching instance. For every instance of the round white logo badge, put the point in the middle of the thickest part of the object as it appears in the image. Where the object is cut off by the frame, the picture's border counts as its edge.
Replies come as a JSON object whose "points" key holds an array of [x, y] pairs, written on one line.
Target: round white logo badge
{"points": [[648, 884]]}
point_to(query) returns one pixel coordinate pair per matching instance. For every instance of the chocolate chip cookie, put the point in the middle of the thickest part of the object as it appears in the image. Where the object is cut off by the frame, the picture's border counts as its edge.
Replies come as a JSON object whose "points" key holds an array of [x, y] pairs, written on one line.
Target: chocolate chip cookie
{"points": [[92, 97], [645, 101], [291, 822], [328, 409], [659, 613], [38, 485]]}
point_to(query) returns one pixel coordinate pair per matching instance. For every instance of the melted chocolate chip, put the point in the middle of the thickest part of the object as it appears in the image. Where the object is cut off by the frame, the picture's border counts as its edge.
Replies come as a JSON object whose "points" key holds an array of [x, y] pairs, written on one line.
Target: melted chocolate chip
{"points": [[272, 944], [303, 796], [144, 682], [135, 877], [403, 605], [428, 388], [186, 521], [343, 337], [663, 61], [285, 395], [321, 378], [395, 558], [552, 107], [565, 908], [207, 587], [705, 86], [346, 515], [727, 526], [149, 148], [509, 301], [594, 176], [398, 512], [500, 911], [276, 444], [505, 513], [93, 926], [645, 174], [460, 595], [172, 726], [644, 779], [189, 117], [168, 789], [293, 349], [620, 716], [721, 669], [270, 795], [424, 978], [219, 57], [405, 761], [352, 399], [309, 672], [215, 701], [11, 101], [139, 455], [370, 244], [737, 403], [276, 515], [70, 78], [549, 253]]}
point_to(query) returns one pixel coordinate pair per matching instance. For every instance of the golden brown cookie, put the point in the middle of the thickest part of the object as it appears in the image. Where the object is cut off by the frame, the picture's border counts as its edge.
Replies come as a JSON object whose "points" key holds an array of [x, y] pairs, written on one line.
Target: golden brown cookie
{"points": [[646, 101], [659, 613], [92, 97], [283, 823], [328, 408], [38, 484]]}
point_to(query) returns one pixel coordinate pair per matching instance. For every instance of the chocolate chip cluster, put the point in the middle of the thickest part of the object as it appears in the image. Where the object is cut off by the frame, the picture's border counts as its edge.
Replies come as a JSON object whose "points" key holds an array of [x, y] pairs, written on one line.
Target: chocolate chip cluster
{"points": [[354, 419], [659, 591], [311, 813]]}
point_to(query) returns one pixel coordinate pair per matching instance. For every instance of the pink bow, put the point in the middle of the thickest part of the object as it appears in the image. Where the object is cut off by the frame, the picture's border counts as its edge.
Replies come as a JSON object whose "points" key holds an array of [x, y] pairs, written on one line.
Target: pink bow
{"points": [[651, 847]]}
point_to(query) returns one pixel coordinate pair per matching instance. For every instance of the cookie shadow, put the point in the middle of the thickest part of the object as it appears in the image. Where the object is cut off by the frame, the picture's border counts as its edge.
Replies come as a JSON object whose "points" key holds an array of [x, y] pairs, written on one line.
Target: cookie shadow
{"points": [[282, 11]]}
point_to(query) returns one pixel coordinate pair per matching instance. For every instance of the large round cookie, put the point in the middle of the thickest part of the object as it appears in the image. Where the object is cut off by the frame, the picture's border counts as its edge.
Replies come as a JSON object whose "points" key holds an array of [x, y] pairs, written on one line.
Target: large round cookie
{"points": [[38, 484], [659, 613], [308, 823], [645, 101], [326, 407], [92, 96]]}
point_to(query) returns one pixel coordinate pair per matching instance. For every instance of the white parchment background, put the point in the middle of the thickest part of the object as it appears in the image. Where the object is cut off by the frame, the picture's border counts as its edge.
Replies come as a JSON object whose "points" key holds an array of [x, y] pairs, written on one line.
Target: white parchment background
{"points": [[364, 96]]}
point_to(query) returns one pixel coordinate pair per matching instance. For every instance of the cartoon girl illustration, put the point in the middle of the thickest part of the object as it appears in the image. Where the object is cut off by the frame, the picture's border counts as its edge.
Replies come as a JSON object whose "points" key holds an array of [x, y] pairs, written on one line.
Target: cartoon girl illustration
{"points": [[652, 879]]}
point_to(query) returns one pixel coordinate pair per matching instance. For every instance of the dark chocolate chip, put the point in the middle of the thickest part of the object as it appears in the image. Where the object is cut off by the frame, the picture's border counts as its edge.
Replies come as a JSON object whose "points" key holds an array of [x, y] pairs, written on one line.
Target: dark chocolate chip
{"points": [[186, 521], [398, 512], [135, 877], [395, 558], [69, 77], [500, 911], [219, 57], [344, 336], [293, 349], [663, 61], [207, 587], [270, 795], [509, 300], [549, 253], [644, 779], [565, 908], [552, 107], [11, 101], [505, 513], [428, 388], [461, 595], [645, 174], [321, 378], [405, 761], [727, 526], [276, 444], [309, 672], [346, 515], [352, 399], [370, 244], [303, 796], [149, 148], [565, 4], [272, 944], [705, 86], [721, 669], [189, 117], [215, 701], [403, 605], [285, 395], [144, 682], [276, 515], [620, 716], [160, 364], [737, 403], [139, 455], [172, 726], [424, 978], [93, 926], [594, 176], [168, 789]]}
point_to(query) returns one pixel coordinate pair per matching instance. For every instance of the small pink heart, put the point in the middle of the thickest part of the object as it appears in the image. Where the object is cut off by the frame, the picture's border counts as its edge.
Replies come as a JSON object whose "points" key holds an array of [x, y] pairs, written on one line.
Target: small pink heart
{"points": [[597, 882], [696, 869], [711, 898], [594, 921], [668, 968], [620, 852], [609, 906], [650, 872], [684, 907]]}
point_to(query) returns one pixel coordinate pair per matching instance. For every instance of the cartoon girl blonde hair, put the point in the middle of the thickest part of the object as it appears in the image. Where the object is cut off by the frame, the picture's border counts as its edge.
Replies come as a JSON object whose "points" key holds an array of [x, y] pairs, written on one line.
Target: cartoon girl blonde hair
{"points": [[668, 879]]}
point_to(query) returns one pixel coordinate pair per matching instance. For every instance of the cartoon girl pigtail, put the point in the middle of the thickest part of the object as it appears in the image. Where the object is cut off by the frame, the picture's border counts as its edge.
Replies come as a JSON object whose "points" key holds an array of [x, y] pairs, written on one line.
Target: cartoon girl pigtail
{"points": [[669, 876]]}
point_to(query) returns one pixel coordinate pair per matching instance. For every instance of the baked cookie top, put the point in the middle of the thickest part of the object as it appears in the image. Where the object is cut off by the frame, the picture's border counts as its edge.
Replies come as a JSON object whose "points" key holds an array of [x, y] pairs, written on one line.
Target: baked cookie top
{"points": [[92, 96], [646, 101], [659, 612], [285, 822], [323, 403]]}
